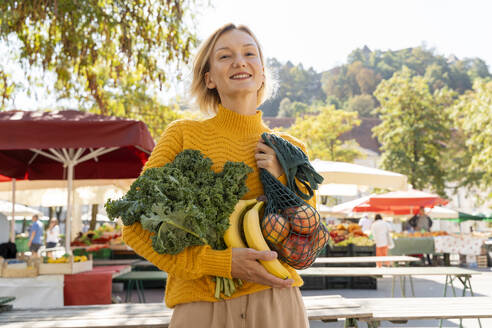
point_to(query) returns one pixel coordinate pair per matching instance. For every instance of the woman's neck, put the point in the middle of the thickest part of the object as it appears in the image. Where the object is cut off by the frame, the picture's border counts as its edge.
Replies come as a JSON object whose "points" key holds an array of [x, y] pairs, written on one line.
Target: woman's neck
{"points": [[244, 105]]}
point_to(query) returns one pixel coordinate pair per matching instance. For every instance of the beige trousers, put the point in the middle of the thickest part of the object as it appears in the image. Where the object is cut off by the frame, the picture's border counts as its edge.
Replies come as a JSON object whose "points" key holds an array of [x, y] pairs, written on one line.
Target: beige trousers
{"points": [[274, 307]]}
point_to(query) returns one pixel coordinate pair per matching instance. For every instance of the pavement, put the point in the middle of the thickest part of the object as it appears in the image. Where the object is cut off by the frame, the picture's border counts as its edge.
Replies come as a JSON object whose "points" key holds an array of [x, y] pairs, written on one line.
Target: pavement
{"points": [[425, 286]]}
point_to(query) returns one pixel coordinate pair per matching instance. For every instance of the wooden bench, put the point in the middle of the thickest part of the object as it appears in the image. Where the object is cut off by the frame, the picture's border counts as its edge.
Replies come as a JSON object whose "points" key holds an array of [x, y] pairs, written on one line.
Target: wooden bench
{"points": [[325, 308], [150, 315]]}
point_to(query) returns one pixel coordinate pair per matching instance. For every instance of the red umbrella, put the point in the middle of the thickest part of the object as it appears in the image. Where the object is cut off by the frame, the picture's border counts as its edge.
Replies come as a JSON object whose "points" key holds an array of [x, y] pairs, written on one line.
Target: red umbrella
{"points": [[400, 202], [71, 145]]}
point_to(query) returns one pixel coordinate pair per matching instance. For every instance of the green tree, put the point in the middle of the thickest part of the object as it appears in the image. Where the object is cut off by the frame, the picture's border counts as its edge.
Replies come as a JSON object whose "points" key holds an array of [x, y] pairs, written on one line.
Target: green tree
{"points": [[294, 82], [92, 44], [288, 108], [362, 104], [472, 116], [321, 133], [415, 129], [6, 88]]}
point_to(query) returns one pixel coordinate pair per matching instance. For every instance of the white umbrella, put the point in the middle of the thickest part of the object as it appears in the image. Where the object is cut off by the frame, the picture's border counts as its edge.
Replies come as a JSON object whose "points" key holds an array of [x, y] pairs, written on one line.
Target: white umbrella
{"points": [[338, 189], [439, 212], [348, 173], [343, 209], [20, 210], [54, 192]]}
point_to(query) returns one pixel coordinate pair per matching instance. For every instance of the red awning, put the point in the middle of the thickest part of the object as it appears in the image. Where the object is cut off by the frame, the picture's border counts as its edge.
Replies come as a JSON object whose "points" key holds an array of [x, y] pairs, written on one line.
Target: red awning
{"points": [[24, 132]]}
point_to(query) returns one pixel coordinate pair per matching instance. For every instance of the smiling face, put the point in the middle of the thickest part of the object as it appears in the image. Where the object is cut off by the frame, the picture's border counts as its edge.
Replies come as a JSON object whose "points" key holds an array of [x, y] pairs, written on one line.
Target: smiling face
{"points": [[235, 66]]}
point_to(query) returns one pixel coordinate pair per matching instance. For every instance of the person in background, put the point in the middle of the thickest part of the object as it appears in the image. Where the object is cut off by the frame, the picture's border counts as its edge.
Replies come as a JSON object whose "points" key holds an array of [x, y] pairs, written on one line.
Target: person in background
{"points": [[420, 221], [365, 223], [35, 236], [52, 235], [381, 234]]}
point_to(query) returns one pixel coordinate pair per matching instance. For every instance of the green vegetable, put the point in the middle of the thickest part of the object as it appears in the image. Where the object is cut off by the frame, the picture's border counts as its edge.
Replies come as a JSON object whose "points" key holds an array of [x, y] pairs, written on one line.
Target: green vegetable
{"points": [[184, 202]]}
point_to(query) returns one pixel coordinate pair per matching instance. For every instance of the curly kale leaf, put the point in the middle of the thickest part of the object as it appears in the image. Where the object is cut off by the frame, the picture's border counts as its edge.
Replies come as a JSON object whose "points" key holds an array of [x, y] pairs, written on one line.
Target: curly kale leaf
{"points": [[185, 203]]}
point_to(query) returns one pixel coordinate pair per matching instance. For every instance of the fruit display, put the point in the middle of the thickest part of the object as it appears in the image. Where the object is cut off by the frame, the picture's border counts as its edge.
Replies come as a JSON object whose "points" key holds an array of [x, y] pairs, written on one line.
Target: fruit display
{"points": [[343, 235], [104, 234], [64, 259]]}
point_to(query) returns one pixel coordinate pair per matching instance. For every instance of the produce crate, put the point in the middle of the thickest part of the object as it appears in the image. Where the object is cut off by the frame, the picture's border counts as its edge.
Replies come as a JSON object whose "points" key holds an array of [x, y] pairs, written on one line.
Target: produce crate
{"points": [[14, 271], [311, 283], [362, 250], [338, 282], [482, 261], [21, 243], [70, 267], [364, 283], [100, 254], [338, 251]]}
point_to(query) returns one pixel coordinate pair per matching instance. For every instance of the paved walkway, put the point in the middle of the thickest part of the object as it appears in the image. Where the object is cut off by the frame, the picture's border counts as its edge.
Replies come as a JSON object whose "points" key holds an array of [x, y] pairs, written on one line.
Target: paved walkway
{"points": [[425, 286]]}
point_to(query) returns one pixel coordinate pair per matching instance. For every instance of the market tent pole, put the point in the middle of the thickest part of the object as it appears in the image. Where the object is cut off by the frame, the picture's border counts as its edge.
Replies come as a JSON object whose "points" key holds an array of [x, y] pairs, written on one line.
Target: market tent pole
{"points": [[12, 223], [70, 158]]}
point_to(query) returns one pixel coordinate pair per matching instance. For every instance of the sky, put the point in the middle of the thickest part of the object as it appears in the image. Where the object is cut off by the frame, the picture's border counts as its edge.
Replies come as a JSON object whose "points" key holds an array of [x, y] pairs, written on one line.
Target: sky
{"points": [[322, 33]]}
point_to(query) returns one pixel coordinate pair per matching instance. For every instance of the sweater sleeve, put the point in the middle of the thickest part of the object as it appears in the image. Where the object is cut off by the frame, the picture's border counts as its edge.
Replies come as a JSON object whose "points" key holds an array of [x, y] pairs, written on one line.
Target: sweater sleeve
{"points": [[192, 262]]}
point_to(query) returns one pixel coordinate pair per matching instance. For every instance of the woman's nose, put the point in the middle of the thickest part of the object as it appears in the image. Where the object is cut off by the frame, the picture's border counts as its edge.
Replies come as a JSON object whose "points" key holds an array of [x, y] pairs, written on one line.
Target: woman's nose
{"points": [[239, 61]]}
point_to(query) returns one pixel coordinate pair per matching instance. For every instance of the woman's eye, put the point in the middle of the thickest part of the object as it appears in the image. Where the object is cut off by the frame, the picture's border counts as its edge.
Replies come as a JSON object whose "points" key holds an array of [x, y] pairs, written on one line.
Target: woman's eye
{"points": [[223, 56], [250, 54]]}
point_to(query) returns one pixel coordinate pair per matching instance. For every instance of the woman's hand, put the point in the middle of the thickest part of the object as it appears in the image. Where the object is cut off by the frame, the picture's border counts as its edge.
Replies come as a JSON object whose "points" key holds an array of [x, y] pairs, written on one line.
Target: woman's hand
{"points": [[246, 267], [267, 159]]}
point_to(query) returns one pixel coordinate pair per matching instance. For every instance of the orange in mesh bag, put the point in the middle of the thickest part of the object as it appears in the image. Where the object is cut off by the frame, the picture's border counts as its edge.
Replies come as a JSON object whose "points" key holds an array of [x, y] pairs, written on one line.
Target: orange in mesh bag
{"points": [[291, 226]]}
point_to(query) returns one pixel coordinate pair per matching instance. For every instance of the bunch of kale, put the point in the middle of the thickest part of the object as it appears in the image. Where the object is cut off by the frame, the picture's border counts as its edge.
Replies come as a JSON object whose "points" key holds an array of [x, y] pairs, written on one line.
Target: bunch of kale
{"points": [[185, 203]]}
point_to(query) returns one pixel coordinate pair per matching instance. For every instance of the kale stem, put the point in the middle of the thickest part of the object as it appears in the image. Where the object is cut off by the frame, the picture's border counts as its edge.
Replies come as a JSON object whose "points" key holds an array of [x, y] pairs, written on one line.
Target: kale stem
{"points": [[171, 222]]}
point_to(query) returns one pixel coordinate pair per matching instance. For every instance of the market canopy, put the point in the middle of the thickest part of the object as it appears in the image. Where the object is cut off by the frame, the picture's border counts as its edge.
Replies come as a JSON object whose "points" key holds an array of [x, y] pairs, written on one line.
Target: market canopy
{"points": [[348, 173], [20, 210], [68, 145], [393, 203]]}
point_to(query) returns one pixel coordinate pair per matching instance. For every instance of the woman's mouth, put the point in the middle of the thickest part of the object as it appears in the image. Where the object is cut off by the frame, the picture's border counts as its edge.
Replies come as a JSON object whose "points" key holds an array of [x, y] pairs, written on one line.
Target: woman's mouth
{"points": [[240, 76]]}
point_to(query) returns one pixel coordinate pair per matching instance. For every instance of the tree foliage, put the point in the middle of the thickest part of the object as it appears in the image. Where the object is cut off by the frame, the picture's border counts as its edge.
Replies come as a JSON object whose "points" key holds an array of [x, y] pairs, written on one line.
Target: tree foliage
{"points": [[6, 88], [472, 116], [415, 129], [80, 40], [365, 69], [322, 133], [294, 82]]}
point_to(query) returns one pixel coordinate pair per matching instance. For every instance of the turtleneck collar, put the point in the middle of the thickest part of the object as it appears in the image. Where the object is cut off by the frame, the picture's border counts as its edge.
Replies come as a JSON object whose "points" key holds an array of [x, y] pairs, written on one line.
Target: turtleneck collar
{"points": [[230, 122]]}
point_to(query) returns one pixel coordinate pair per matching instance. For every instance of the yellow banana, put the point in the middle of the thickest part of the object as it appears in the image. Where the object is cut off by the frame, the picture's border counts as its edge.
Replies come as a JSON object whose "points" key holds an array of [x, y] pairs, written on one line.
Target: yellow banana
{"points": [[255, 240], [232, 236]]}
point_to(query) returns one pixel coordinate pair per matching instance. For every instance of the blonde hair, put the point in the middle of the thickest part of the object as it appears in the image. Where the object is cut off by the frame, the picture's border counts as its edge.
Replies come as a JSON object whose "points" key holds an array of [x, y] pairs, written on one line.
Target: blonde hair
{"points": [[208, 100]]}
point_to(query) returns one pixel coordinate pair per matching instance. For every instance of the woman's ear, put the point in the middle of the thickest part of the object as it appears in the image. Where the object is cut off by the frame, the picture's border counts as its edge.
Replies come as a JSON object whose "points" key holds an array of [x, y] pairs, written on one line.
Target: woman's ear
{"points": [[208, 81]]}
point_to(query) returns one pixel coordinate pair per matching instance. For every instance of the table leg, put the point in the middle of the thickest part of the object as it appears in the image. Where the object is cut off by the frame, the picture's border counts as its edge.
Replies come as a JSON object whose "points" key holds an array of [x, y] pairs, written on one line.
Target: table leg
{"points": [[141, 288], [465, 280], [411, 285], [129, 288], [350, 323], [393, 287], [402, 286]]}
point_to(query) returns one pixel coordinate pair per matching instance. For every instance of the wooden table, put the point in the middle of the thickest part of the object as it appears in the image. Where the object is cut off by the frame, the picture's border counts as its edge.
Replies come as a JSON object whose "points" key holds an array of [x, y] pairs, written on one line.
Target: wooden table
{"points": [[136, 279], [399, 310], [451, 273], [365, 259], [149, 315]]}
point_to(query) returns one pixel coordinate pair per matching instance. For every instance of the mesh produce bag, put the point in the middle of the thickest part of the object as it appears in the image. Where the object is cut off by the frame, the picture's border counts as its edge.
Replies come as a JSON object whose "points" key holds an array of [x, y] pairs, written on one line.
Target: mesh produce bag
{"points": [[289, 224]]}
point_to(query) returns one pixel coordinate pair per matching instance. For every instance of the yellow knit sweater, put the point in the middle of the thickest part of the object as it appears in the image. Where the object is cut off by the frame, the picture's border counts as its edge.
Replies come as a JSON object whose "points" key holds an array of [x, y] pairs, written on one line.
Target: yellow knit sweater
{"points": [[226, 137]]}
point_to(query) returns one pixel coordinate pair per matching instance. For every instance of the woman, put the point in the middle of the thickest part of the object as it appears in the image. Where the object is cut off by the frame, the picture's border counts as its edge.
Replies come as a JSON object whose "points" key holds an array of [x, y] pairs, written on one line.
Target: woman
{"points": [[229, 80], [381, 234], [52, 233]]}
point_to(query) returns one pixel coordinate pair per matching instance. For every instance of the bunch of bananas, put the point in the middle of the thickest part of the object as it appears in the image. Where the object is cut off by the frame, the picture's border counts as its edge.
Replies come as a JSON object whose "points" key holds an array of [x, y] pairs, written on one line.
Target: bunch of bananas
{"points": [[246, 220], [66, 259]]}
